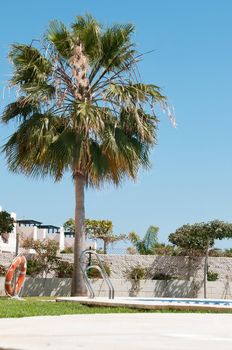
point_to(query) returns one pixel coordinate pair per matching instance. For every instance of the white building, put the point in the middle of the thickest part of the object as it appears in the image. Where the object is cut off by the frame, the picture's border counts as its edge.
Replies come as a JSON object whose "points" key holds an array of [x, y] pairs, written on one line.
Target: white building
{"points": [[33, 229], [36, 230]]}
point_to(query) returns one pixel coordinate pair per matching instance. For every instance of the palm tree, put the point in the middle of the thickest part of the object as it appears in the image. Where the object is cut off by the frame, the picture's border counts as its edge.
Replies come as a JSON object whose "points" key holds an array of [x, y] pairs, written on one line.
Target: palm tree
{"points": [[80, 108], [147, 244]]}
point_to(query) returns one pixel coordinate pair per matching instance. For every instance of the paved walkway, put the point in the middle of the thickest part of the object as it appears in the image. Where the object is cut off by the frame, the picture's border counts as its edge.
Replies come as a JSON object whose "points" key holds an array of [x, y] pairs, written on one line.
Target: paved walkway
{"points": [[118, 332]]}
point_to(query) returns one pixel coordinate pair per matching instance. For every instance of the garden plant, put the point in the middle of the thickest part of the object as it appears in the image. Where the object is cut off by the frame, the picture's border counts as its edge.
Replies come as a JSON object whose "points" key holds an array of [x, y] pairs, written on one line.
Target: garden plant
{"points": [[197, 239]]}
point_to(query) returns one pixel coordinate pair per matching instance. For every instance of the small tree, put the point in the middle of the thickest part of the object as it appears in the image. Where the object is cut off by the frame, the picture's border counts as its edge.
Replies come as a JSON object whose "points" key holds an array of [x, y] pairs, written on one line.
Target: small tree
{"points": [[6, 222], [45, 259], [97, 229], [197, 239], [69, 225], [146, 245], [103, 230]]}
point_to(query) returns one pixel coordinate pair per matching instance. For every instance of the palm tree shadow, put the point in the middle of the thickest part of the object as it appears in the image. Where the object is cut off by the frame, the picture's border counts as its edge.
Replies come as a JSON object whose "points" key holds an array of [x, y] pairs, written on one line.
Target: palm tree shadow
{"points": [[180, 276], [227, 290]]}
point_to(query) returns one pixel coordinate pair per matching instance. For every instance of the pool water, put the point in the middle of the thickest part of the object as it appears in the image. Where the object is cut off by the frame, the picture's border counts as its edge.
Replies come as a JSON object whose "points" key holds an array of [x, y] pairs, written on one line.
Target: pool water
{"points": [[185, 301]]}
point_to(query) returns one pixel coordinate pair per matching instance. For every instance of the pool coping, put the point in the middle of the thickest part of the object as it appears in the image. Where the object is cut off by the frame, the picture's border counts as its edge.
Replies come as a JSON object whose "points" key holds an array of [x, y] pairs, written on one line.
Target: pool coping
{"points": [[155, 304]]}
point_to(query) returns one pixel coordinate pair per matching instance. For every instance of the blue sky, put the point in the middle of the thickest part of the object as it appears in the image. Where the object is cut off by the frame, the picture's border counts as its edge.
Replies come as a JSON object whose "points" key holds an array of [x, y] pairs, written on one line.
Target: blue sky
{"points": [[190, 180]]}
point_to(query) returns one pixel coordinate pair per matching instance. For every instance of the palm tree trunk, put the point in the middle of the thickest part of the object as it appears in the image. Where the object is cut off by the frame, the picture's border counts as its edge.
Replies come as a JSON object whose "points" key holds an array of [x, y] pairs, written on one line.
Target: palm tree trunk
{"points": [[78, 283], [105, 247], [206, 269]]}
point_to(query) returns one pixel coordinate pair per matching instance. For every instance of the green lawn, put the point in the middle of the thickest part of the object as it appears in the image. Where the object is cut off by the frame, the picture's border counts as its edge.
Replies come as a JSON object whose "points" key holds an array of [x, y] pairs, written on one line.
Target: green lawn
{"points": [[45, 307]]}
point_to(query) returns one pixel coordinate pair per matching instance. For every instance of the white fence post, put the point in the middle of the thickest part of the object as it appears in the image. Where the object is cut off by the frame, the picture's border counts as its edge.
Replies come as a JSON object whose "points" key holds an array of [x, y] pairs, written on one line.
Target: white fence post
{"points": [[35, 233], [13, 235], [61, 240], [44, 233]]}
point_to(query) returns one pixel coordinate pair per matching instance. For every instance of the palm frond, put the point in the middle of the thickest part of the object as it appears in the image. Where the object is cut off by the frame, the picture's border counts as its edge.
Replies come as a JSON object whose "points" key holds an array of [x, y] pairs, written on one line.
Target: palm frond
{"points": [[30, 65], [116, 42], [131, 94], [140, 124], [22, 109], [26, 148], [88, 31], [98, 164], [117, 52], [61, 38], [91, 118], [65, 148], [42, 92], [81, 108]]}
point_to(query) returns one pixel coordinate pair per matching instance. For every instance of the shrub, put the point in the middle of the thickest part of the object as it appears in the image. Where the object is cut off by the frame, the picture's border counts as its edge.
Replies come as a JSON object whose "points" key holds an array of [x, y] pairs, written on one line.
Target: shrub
{"points": [[67, 250], [162, 249], [64, 269], [136, 273], [100, 251], [131, 250], [45, 259], [3, 270], [216, 252], [34, 267], [212, 276], [228, 253], [6, 222], [94, 273], [163, 277]]}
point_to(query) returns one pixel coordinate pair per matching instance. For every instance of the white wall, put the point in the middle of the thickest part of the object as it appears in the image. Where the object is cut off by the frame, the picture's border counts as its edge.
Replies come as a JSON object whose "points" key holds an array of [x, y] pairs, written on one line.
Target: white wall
{"points": [[188, 289]]}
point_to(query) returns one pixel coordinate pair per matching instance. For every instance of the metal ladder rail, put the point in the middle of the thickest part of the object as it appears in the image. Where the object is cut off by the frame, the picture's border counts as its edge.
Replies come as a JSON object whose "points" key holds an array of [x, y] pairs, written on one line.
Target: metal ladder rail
{"points": [[88, 284], [106, 279], [101, 269]]}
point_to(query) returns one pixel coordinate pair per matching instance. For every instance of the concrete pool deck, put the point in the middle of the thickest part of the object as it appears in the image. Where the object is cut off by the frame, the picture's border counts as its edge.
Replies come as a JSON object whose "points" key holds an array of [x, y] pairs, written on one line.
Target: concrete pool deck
{"points": [[151, 303], [118, 331]]}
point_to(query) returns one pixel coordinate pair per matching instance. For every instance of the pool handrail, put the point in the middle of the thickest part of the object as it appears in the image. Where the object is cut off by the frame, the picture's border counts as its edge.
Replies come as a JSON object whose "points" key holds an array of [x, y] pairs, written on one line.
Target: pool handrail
{"points": [[100, 268]]}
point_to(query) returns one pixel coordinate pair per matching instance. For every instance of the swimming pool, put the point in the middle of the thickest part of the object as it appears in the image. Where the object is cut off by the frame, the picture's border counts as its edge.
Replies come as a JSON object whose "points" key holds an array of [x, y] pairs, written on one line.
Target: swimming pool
{"points": [[157, 303], [183, 301]]}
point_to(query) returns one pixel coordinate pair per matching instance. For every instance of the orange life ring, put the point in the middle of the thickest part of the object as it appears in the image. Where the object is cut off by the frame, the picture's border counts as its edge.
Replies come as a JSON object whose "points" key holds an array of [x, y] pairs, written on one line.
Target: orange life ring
{"points": [[21, 262]]}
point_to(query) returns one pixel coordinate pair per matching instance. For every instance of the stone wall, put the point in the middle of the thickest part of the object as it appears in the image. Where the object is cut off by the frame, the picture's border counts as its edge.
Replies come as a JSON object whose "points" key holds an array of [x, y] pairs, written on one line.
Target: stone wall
{"points": [[181, 267], [188, 274]]}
